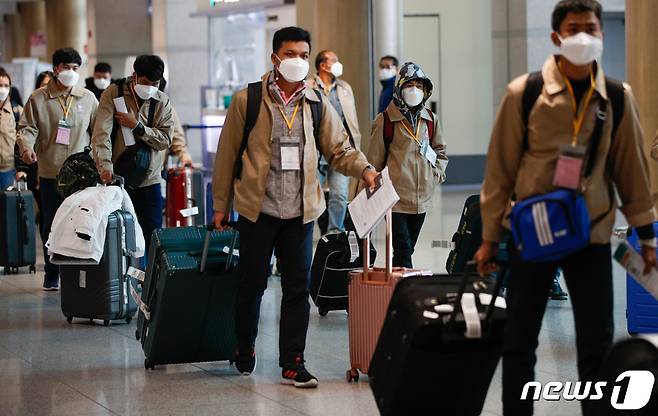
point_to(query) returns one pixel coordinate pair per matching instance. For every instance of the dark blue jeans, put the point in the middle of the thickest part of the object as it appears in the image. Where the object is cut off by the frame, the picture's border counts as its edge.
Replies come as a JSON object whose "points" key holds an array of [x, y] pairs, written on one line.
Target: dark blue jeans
{"points": [[293, 241], [406, 229], [50, 202], [148, 207]]}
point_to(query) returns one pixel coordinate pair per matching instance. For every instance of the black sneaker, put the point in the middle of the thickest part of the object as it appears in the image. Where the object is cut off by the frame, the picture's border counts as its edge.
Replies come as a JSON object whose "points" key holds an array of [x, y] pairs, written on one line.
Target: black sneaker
{"points": [[556, 292], [51, 285], [245, 360], [296, 374]]}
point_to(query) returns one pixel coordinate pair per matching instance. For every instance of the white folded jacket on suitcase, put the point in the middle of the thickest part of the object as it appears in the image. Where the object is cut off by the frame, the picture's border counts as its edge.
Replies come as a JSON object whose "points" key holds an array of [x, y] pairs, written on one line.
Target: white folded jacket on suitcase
{"points": [[80, 223]]}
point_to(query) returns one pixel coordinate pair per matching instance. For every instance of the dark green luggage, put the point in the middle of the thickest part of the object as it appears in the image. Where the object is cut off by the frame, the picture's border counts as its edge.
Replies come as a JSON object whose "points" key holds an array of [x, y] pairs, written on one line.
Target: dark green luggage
{"points": [[187, 310]]}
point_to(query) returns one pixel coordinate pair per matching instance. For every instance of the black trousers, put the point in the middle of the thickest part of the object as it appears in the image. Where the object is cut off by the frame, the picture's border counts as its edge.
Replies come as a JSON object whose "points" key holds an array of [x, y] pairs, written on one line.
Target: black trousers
{"points": [[406, 229], [293, 241], [588, 274]]}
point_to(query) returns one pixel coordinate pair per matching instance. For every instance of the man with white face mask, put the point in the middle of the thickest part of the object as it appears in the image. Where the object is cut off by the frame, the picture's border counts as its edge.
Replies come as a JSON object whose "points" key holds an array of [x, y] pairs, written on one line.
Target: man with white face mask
{"points": [[388, 69], [57, 121], [267, 172], [151, 122], [568, 127], [407, 138], [101, 80], [340, 95]]}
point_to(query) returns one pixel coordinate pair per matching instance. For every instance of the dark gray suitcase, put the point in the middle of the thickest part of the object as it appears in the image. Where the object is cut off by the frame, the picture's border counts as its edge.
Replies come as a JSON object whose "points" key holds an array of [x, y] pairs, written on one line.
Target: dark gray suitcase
{"points": [[102, 291], [17, 231]]}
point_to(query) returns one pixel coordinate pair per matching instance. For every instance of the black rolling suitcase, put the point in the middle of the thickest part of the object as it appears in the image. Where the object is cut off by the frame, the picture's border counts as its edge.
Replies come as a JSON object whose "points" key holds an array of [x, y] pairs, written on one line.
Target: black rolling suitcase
{"points": [[187, 307], [427, 360], [336, 255], [468, 237], [101, 291], [17, 230]]}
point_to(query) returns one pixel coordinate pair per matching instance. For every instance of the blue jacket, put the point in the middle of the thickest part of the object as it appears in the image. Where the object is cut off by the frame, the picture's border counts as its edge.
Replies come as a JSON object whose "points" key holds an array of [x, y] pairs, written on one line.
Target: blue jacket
{"points": [[388, 86]]}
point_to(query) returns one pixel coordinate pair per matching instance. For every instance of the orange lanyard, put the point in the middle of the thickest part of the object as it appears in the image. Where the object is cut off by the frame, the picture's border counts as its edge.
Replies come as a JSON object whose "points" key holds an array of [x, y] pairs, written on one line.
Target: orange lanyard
{"points": [[289, 122], [132, 89], [413, 136], [579, 116], [66, 108]]}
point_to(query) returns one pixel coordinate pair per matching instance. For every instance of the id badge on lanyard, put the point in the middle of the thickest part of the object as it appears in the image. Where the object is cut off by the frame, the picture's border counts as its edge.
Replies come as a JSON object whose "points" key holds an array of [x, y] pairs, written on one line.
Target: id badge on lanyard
{"points": [[569, 169], [289, 146], [63, 133]]}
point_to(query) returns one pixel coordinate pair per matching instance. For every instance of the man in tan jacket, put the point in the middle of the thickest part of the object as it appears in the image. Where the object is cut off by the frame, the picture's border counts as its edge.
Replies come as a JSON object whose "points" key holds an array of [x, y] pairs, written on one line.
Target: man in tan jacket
{"points": [[57, 121], [565, 112], [340, 95], [150, 119], [278, 196]]}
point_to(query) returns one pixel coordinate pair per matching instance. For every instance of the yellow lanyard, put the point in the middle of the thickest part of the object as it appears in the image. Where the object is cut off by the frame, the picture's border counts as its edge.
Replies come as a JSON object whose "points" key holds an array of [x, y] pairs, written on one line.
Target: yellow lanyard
{"points": [[413, 136], [579, 116], [132, 89], [66, 108], [289, 122]]}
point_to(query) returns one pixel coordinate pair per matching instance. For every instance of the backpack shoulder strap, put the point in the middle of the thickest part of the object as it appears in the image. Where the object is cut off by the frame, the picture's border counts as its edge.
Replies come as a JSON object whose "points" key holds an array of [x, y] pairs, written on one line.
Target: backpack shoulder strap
{"points": [[388, 134], [254, 98], [316, 114], [615, 90], [430, 124], [151, 115], [533, 87]]}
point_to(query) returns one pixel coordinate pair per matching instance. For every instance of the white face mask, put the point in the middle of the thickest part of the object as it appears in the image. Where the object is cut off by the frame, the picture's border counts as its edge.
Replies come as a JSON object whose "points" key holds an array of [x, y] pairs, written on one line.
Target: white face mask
{"points": [[68, 78], [101, 83], [582, 48], [413, 96], [387, 73], [146, 92], [4, 93], [337, 69], [293, 69]]}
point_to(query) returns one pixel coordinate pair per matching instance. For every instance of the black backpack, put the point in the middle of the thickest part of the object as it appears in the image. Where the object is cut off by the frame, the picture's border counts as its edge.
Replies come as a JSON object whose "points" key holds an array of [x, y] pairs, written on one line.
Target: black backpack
{"points": [[134, 162], [254, 98]]}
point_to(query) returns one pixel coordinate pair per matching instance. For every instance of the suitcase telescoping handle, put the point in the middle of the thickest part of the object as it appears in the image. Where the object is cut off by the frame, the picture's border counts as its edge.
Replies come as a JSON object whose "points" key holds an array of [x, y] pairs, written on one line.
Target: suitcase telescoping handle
{"points": [[388, 218], [470, 270], [206, 247]]}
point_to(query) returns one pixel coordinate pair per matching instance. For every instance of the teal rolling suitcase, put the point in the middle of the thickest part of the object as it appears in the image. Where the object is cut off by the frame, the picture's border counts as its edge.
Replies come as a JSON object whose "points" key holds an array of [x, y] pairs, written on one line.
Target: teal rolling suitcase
{"points": [[188, 297]]}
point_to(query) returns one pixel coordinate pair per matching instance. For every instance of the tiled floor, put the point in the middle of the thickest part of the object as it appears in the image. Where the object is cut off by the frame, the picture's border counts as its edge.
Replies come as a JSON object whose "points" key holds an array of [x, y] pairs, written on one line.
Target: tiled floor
{"points": [[48, 367]]}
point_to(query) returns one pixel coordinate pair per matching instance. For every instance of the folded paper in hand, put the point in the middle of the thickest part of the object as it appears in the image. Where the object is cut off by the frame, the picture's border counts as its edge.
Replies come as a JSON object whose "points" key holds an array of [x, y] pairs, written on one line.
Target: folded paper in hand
{"points": [[370, 206], [128, 138]]}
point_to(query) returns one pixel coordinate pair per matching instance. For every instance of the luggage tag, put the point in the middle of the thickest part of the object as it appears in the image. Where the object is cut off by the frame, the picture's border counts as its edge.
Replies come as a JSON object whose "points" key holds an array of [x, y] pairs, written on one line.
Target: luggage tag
{"points": [[63, 133], [289, 146], [568, 171]]}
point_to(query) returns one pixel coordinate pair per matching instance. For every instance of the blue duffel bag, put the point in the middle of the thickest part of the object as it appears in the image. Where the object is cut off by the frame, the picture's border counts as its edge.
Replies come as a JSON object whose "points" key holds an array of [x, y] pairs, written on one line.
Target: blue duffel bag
{"points": [[550, 227]]}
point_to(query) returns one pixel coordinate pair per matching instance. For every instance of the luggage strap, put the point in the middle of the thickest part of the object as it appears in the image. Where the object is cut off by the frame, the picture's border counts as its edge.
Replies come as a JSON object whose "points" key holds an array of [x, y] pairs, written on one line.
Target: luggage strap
{"points": [[136, 273], [140, 303], [354, 246]]}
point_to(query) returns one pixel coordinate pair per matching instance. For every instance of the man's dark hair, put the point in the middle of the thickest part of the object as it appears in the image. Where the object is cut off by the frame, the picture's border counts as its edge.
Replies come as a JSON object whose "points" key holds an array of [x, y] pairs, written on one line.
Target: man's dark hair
{"points": [[564, 7], [390, 57], [103, 67], [290, 34], [4, 73], [320, 58], [66, 56], [149, 66]]}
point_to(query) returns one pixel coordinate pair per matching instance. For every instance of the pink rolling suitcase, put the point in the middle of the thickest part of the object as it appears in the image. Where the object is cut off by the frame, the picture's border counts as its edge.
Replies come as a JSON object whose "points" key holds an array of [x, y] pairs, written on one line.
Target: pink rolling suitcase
{"points": [[369, 293]]}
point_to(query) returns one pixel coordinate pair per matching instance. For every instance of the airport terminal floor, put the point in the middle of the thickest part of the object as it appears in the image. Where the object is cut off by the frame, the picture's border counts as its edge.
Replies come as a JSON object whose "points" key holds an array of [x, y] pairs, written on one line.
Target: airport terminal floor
{"points": [[48, 367]]}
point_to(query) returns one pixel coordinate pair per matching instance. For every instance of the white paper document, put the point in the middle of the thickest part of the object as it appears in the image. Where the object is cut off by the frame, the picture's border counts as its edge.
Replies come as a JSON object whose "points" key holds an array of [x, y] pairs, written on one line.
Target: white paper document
{"points": [[128, 138], [369, 207]]}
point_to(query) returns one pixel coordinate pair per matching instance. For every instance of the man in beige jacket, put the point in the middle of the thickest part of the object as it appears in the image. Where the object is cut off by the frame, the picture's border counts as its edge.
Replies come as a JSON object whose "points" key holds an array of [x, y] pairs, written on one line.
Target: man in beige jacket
{"points": [[278, 196], [57, 121], [143, 99], [565, 111], [340, 95]]}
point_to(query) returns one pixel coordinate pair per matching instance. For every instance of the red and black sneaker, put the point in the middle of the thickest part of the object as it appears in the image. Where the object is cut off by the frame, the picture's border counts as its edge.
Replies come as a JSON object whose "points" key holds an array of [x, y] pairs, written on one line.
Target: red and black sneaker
{"points": [[296, 374], [245, 360]]}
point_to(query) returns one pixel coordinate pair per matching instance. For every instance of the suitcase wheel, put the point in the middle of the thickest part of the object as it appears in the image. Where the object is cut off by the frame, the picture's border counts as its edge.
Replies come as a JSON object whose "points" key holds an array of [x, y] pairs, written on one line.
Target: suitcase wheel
{"points": [[106, 323], [33, 268], [69, 319], [323, 311], [148, 365], [352, 375], [128, 319]]}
